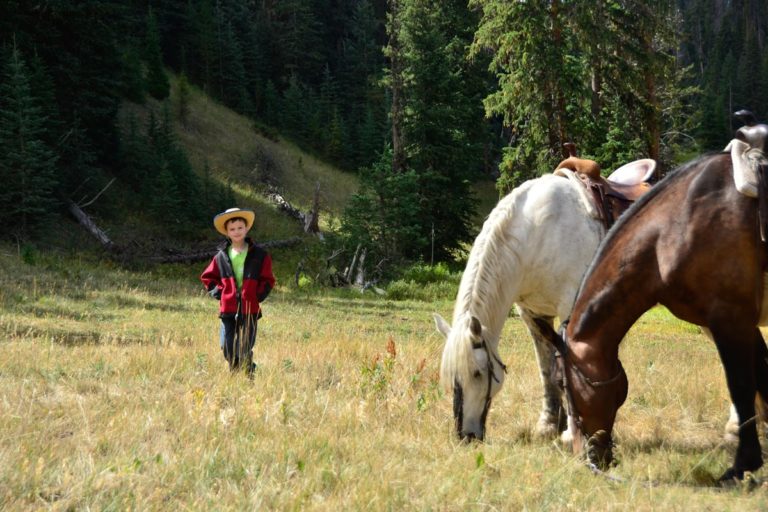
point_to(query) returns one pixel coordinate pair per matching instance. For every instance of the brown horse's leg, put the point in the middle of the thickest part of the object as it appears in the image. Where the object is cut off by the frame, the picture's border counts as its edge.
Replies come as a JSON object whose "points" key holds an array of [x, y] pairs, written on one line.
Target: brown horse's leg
{"points": [[761, 376], [738, 356]]}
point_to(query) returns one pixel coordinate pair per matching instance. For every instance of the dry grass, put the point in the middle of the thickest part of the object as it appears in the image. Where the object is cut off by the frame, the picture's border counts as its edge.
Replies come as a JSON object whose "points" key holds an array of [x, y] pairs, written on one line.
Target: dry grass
{"points": [[114, 395]]}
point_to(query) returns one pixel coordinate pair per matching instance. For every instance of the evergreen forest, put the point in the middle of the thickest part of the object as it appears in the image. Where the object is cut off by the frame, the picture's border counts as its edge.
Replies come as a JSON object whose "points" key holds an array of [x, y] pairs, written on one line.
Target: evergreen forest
{"points": [[417, 99]]}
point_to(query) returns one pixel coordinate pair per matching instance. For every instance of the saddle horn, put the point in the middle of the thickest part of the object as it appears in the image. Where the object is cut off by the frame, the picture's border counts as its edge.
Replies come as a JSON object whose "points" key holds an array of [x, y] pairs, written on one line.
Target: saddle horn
{"points": [[753, 133]]}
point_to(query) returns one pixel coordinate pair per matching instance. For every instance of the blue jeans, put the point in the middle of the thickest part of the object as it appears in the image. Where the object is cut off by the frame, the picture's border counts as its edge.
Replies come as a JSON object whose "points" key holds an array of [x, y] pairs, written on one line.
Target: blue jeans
{"points": [[231, 335]]}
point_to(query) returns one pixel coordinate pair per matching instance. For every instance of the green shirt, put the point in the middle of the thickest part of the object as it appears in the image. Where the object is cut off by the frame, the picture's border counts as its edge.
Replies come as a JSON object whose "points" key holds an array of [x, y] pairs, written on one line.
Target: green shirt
{"points": [[238, 263]]}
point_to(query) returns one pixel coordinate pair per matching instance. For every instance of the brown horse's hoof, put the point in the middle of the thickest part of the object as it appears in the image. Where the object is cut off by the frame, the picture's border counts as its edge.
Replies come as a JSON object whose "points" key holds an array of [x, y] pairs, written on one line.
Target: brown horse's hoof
{"points": [[731, 478], [735, 478], [600, 450]]}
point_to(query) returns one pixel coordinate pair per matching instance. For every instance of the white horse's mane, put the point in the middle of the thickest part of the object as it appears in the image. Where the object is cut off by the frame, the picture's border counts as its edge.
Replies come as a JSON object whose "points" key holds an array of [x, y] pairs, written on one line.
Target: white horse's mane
{"points": [[483, 292]]}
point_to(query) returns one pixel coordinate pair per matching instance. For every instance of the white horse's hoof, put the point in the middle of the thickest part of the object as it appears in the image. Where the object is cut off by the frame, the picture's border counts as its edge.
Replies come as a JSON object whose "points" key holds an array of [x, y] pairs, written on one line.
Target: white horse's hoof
{"points": [[731, 434], [546, 428], [566, 437]]}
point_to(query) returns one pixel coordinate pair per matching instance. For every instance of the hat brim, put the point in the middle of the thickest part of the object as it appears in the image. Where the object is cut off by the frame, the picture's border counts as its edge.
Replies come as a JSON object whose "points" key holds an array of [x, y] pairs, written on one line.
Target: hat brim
{"points": [[221, 219]]}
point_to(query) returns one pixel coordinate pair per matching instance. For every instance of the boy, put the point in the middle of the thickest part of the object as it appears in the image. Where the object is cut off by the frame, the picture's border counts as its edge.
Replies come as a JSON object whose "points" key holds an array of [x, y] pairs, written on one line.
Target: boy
{"points": [[240, 277]]}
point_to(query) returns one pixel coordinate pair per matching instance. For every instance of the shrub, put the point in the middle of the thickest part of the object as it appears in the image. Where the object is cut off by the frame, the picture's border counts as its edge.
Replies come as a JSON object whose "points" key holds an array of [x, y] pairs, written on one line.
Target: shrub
{"points": [[423, 273], [411, 290]]}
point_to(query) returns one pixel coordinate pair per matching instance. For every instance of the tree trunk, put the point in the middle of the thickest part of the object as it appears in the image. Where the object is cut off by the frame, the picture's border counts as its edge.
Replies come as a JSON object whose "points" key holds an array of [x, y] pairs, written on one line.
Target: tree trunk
{"points": [[360, 276], [311, 218]]}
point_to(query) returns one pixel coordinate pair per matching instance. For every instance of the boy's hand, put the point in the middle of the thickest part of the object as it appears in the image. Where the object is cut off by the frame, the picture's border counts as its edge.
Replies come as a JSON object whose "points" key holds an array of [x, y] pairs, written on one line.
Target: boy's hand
{"points": [[215, 293]]}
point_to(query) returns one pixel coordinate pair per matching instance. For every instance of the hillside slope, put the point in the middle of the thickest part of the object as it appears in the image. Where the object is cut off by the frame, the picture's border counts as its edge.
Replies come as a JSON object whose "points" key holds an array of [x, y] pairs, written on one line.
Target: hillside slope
{"points": [[234, 152]]}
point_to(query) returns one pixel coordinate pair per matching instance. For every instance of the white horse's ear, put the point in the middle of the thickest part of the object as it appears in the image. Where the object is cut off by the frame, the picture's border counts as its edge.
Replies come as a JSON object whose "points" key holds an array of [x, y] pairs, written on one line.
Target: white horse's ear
{"points": [[475, 327], [442, 326]]}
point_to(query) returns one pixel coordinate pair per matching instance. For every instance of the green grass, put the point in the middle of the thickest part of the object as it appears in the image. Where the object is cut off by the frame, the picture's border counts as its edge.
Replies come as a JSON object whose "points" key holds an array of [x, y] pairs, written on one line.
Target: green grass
{"points": [[114, 395]]}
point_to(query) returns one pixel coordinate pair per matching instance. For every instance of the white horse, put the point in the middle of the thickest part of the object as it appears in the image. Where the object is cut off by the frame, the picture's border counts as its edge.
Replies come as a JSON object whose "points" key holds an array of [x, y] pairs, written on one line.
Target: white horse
{"points": [[532, 251]]}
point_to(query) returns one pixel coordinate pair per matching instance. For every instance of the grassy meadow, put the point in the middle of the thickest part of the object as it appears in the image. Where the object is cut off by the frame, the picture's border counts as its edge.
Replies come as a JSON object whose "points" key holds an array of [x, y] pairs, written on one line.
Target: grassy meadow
{"points": [[114, 395]]}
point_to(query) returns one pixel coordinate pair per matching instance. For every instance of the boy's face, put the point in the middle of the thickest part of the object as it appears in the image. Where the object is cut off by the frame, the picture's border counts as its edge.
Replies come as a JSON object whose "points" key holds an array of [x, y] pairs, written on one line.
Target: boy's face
{"points": [[236, 230]]}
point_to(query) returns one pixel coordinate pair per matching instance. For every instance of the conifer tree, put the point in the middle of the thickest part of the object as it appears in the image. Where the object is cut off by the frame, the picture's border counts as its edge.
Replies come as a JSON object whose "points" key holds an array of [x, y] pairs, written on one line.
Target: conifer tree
{"points": [[229, 71], [183, 99], [27, 163], [383, 216], [295, 110], [134, 86], [441, 107], [157, 81], [567, 70]]}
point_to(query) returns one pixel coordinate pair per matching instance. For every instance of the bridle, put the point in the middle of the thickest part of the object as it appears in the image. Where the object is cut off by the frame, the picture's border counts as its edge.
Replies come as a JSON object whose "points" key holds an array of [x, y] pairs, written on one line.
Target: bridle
{"points": [[561, 351], [490, 357]]}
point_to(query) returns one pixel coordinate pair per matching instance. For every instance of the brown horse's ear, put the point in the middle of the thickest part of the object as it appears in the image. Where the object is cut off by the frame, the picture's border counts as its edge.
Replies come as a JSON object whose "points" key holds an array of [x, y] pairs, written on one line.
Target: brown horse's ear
{"points": [[475, 327]]}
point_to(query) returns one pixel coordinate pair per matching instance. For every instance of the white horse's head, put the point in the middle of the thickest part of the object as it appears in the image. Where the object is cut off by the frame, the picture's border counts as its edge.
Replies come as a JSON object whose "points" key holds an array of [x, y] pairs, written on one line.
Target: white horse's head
{"points": [[472, 370]]}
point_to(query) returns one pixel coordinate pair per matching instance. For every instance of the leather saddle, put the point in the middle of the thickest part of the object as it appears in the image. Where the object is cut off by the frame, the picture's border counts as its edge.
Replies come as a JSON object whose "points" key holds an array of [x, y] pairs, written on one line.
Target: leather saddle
{"points": [[756, 136], [614, 194]]}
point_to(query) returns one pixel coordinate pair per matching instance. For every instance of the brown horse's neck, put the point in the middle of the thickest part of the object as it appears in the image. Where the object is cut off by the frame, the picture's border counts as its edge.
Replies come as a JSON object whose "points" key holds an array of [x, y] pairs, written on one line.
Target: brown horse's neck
{"points": [[670, 249], [612, 297]]}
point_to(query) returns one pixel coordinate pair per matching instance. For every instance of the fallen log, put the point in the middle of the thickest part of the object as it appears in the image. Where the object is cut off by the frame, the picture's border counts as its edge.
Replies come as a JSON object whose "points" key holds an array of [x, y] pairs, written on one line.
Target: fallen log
{"points": [[85, 220], [309, 220]]}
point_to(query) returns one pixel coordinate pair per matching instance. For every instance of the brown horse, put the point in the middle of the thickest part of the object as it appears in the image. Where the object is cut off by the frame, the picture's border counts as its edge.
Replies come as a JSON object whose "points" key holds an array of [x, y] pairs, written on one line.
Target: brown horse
{"points": [[692, 244]]}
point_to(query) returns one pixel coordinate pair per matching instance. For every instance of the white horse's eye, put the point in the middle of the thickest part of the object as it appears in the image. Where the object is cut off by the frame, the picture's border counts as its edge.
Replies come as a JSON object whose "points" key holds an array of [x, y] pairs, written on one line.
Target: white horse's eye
{"points": [[477, 374]]}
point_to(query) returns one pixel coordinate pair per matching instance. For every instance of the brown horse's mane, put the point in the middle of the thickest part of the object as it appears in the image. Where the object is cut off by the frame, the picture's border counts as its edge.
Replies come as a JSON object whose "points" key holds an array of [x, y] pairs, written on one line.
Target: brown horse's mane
{"points": [[668, 181]]}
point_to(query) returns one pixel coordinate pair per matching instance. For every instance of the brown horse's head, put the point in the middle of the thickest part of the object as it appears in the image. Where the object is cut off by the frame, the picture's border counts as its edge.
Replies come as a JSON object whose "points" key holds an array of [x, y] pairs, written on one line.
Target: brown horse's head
{"points": [[593, 408], [594, 393]]}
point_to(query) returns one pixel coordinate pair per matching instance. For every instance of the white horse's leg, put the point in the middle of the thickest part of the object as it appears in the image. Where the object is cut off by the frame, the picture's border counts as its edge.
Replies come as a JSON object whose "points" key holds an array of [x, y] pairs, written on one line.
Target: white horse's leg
{"points": [[552, 418], [732, 427]]}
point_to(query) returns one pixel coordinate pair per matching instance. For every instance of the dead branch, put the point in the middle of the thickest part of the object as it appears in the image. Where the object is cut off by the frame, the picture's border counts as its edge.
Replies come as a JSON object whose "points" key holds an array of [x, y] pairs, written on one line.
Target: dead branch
{"points": [[311, 217], [89, 203]]}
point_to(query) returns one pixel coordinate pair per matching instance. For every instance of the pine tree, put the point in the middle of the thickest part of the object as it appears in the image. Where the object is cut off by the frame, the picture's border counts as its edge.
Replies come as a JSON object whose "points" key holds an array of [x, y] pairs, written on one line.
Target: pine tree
{"points": [[295, 110], [271, 105], [229, 70], [183, 99], [134, 86], [180, 185], [384, 215], [157, 81], [136, 158], [567, 70], [203, 46], [370, 140], [441, 109], [298, 39], [27, 163]]}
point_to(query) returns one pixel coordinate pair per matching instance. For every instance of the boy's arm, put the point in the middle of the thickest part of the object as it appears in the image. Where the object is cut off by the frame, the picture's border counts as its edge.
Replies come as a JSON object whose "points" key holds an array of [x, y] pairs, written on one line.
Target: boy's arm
{"points": [[266, 279], [212, 280]]}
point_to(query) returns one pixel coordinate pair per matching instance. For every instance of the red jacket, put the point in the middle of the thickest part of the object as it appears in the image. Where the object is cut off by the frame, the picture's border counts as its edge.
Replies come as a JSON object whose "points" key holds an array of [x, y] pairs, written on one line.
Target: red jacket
{"points": [[219, 279]]}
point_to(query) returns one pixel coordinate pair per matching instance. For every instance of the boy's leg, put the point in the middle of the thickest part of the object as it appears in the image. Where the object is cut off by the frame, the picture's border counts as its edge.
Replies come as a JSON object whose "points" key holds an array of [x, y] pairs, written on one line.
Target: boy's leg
{"points": [[228, 340], [250, 329]]}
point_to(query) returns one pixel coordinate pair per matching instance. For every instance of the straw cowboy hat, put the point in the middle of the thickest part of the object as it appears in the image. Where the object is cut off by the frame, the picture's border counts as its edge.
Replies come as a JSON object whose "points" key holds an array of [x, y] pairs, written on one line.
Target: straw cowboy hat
{"points": [[221, 219]]}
